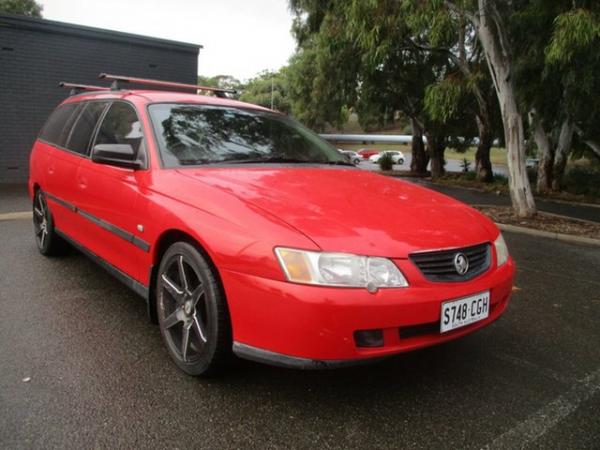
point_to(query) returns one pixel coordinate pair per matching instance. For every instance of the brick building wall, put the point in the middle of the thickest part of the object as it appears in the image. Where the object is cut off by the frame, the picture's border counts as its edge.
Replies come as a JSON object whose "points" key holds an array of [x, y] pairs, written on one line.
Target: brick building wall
{"points": [[36, 54]]}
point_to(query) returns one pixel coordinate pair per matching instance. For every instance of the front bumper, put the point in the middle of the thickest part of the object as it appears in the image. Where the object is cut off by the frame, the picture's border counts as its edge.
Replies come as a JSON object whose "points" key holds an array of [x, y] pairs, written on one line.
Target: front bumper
{"points": [[302, 326]]}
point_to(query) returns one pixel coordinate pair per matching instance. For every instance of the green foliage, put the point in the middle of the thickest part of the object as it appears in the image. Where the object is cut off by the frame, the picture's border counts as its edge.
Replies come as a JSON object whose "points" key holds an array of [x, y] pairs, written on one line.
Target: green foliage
{"points": [[557, 58], [575, 30], [223, 82], [24, 7], [386, 162], [442, 99], [583, 181], [268, 89]]}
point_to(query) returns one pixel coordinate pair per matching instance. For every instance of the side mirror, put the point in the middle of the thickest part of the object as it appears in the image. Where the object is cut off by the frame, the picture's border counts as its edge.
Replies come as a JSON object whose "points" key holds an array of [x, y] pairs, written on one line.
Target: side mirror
{"points": [[120, 155]]}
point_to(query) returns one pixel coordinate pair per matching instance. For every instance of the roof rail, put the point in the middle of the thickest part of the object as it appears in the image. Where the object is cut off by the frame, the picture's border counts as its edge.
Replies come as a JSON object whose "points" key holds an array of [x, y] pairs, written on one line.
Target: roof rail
{"points": [[77, 88], [116, 79]]}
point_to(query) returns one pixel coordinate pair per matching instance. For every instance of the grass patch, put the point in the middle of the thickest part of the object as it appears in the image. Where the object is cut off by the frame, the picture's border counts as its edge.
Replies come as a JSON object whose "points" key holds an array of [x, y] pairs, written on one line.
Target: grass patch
{"points": [[469, 180], [497, 155]]}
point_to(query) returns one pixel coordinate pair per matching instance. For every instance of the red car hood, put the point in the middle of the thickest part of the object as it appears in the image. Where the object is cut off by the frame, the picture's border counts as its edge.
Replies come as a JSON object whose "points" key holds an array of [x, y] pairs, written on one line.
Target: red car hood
{"points": [[353, 210]]}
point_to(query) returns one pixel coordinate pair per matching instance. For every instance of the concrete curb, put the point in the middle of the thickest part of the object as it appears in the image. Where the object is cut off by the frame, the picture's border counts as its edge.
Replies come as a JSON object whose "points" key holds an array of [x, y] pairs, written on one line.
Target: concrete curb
{"points": [[570, 238], [16, 215]]}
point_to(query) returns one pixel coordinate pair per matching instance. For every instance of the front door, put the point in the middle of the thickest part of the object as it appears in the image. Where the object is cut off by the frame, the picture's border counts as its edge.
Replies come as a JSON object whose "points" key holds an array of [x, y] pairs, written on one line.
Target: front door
{"points": [[109, 198]]}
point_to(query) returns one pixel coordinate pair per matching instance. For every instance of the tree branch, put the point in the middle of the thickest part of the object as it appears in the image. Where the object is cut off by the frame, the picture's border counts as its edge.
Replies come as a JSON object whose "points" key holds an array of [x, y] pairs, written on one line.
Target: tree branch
{"points": [[452, 7], [593, 145]]}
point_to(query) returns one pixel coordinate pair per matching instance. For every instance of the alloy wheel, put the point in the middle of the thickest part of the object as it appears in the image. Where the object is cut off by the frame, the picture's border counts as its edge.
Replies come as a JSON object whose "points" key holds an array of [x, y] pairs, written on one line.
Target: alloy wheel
{"points": [[183, 309], [41, 220]]}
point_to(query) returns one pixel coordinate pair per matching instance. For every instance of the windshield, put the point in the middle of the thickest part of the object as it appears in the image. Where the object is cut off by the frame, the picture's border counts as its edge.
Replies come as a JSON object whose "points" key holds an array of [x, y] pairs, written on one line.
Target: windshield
{"points": [[189, 134]]}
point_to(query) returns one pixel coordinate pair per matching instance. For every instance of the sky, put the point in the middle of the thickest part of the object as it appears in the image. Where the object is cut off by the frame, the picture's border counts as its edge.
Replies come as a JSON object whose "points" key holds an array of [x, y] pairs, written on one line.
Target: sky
{"points": [[240, 37]]}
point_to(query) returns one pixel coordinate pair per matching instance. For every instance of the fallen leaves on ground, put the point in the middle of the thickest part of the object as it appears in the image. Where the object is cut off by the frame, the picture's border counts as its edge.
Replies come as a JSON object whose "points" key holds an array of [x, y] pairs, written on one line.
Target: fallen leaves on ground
{"points": [[543, 221]]}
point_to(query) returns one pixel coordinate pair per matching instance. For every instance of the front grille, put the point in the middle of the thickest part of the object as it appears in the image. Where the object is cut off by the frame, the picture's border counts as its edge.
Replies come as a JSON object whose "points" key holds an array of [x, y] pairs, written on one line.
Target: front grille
{"points": [[439, 265]]}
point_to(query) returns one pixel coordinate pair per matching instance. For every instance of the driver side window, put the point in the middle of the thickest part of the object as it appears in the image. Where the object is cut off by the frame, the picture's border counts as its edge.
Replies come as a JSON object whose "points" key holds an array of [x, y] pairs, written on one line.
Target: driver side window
{"points": [[121, 125]]}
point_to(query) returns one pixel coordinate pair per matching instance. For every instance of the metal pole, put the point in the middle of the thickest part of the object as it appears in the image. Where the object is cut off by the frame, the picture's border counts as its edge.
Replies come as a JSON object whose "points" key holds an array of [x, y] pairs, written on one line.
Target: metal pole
{"points": [[272, 82]]}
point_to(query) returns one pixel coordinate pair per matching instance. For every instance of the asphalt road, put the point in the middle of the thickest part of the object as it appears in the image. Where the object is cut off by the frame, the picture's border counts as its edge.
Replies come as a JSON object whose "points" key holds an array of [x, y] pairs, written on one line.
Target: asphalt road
{"points": [[96, 373], [581, 211]]}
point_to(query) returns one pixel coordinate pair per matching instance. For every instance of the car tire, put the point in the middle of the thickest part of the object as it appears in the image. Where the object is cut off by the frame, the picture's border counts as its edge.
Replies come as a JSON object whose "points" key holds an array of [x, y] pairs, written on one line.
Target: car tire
{"points": [[401, 161], [192, 312], [49, 243], [356, 161]]}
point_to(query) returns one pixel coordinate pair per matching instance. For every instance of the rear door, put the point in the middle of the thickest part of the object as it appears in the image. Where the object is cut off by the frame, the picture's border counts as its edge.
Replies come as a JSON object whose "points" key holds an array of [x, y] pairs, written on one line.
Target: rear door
{"points": [[60, 166], [108, 196], [77, 146]]}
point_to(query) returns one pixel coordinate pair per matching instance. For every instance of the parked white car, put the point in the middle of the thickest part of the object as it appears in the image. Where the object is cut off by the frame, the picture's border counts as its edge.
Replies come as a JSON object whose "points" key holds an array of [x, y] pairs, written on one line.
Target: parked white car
{"points": [[397, 156]]}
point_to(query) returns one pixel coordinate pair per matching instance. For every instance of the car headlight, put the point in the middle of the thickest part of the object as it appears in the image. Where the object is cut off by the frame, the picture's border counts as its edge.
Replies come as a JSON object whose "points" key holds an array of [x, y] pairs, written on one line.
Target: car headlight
{"points": [[501, 250], [339, 269]]}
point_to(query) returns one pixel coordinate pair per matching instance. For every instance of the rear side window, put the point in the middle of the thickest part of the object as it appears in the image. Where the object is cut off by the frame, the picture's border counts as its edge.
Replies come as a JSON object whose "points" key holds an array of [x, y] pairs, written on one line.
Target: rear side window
{"points": [[57, 128], [121, 126], [83, 129]]}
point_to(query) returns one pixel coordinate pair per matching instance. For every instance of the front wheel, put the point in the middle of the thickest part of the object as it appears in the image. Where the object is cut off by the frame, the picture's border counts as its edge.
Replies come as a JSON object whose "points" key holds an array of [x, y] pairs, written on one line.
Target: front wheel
{"points": [[192, 311]]}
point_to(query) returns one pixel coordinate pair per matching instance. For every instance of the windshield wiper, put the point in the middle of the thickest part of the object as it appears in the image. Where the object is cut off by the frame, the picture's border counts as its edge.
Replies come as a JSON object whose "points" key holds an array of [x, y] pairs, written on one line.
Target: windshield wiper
{"points": [[339, 163], [279, 159], [272, 160]]}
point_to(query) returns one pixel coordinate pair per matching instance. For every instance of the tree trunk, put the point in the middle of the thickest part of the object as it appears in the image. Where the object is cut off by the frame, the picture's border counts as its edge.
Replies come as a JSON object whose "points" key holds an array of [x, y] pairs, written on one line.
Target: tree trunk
{"points": [[436, 145], [545, 154], [483, 164], [562, 151], [420, 159], [493, 37]]}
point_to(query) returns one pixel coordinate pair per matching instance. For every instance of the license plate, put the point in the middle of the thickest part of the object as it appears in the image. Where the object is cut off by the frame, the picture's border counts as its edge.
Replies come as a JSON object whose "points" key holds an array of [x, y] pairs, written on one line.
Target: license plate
{"points": [[464, 311]]}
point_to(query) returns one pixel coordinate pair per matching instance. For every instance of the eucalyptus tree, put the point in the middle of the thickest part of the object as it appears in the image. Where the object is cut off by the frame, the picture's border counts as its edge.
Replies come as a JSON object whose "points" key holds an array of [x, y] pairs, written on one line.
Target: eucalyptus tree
{"points": [[487, 20], [560, 48], [439, 30], [361, 57]]}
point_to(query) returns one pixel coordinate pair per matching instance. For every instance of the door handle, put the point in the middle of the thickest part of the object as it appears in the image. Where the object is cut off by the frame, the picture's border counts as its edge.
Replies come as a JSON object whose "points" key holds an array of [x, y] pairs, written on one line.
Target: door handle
{"points": [[82, 182], [51, 170]]}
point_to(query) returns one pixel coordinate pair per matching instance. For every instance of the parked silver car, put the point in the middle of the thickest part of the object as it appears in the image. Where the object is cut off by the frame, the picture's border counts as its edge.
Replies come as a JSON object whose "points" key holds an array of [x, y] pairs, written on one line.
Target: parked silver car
{"points": [[351, 156]]}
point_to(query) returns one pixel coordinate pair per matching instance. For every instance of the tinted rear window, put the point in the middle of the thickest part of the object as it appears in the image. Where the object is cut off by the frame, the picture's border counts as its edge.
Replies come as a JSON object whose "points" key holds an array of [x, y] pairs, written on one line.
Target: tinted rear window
{"points": [[84, 127], [57, 128]]}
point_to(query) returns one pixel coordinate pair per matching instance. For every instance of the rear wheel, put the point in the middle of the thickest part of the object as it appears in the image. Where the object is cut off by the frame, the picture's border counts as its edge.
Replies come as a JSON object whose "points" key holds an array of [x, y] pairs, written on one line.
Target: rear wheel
{"points": [[48, 242], [192, 311]]}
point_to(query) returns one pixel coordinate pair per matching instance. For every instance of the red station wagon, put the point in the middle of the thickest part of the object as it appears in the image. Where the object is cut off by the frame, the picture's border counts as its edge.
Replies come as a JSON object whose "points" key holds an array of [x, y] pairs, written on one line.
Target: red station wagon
{"points": [[233, 222]]}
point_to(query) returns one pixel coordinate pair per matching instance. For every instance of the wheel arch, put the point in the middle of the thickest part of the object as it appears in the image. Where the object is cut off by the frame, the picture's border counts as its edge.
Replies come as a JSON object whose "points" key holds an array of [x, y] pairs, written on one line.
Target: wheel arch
{"points": [[164, 241]]}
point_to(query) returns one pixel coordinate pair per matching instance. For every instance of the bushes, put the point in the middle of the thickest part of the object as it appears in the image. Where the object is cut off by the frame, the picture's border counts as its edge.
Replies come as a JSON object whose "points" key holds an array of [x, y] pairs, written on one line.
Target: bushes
{"points": [[386, 162], [582, 181]]}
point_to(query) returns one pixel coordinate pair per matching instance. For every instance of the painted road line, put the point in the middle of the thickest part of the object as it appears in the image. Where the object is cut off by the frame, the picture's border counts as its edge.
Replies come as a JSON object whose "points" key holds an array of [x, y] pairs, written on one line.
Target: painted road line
{"points": [[548, 416], [22, 215]]}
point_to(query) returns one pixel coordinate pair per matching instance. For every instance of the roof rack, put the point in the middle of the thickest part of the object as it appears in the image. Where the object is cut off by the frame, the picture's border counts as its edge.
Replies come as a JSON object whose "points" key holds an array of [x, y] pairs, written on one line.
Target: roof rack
{"points": [[77, 88], [117, 79]]}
